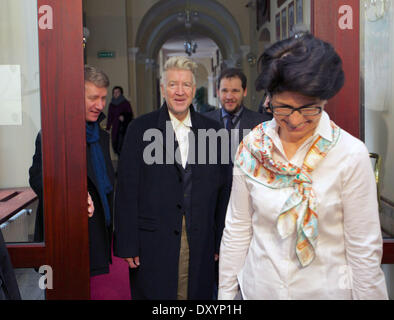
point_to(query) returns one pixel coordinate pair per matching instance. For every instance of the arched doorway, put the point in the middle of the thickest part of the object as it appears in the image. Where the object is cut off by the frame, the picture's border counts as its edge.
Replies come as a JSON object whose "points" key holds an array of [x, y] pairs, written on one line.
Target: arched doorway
{"points": [[163, 22]]}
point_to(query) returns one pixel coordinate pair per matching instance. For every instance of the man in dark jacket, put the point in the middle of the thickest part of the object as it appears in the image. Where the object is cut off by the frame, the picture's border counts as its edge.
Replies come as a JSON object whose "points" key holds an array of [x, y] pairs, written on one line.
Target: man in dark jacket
{"points": [[8, 286], [169, 213], [100, 174], [233, 115]]}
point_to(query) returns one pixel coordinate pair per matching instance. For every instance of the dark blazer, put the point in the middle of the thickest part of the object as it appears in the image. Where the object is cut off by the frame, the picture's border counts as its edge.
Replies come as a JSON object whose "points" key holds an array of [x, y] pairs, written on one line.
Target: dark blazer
{"points": [[149, 210], [8, 286], [249, 119], [99, 235]]}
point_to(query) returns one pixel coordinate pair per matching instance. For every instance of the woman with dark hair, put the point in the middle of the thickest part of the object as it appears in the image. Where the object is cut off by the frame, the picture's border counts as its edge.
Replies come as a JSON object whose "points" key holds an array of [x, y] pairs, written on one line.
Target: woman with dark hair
{"points": [[120, 115], [302, 221]]}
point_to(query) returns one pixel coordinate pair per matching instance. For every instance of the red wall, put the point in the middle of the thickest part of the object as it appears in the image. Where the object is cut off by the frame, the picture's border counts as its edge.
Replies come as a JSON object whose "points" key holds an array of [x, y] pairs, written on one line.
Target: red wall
{"points": [[344, 109]]}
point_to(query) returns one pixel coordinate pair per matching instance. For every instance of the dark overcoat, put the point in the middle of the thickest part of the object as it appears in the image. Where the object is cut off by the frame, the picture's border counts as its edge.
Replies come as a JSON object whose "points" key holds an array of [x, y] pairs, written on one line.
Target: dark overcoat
{"points": [[35, 181], [149, 210], [99, 235]]}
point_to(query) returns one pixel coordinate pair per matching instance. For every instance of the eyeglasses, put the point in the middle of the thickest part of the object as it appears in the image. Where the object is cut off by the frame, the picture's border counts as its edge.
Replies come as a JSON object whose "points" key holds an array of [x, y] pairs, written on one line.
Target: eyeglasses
{"points": [[287, 110]]}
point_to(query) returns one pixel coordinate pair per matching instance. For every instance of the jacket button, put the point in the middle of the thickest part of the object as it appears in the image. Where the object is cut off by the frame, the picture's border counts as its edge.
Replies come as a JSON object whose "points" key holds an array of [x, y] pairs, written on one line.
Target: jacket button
{"points": [[176, 232]]}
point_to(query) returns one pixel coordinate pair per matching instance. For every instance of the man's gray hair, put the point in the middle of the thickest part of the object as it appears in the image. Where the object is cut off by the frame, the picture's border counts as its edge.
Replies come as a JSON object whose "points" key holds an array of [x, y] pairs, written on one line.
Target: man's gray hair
{"points": [[180, 63], [96, 76]]}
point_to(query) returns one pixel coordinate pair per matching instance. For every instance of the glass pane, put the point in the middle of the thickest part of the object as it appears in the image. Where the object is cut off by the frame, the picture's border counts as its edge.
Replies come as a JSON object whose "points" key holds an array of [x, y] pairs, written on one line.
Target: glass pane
{"points": [[377, 71], [20, 119]]}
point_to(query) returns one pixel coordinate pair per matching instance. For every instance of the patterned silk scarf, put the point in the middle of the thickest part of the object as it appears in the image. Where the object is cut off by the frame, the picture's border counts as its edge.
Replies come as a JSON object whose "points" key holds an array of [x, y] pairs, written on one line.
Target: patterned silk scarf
{"points": [[254, 157]]}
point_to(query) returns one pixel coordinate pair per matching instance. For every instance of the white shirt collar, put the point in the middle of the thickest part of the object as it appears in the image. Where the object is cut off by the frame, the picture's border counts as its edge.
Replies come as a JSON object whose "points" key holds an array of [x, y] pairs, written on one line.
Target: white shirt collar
{"points": [[187, 122], [323, 129], [182, 129]]}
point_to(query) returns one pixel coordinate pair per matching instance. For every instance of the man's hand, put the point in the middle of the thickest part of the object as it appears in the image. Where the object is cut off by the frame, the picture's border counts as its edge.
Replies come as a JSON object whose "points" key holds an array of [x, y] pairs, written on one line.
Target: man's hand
{"points": [[90, 206], [121, 118], [216, 256], [133, 262]]}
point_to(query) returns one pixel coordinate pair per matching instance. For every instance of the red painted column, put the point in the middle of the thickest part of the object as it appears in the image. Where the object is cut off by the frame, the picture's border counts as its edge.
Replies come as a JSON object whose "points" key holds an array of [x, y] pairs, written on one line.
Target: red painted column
{"points": [[338, 22]]}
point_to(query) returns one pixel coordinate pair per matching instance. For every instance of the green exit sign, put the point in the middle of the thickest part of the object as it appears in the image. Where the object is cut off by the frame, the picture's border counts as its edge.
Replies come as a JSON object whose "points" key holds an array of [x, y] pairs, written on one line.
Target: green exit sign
{"points": [[106, 54]]}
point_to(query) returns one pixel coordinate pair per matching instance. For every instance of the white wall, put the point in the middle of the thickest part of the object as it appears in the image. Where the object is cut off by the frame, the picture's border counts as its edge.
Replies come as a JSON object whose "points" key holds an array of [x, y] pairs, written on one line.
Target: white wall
{"points": [[106, 21], [19, 46]]}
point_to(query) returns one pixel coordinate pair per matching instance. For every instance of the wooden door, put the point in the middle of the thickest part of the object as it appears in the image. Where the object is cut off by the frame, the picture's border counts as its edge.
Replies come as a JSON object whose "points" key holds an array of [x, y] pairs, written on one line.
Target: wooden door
{"points": [[65, 248]]}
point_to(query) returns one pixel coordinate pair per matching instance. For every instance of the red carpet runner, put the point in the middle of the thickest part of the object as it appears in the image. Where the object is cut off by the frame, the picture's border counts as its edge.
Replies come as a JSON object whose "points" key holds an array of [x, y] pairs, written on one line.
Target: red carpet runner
{"points": [[114, 285]]}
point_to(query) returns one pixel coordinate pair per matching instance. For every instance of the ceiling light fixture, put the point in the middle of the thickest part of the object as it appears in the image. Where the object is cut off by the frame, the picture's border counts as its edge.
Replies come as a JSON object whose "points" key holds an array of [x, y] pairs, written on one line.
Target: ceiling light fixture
{"points": [[190, 47]]}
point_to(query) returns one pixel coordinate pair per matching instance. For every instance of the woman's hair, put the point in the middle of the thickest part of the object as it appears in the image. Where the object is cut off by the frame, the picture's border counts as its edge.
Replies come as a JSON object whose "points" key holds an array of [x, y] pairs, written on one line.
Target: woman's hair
{"points": [[302, 64], [119, 88]]}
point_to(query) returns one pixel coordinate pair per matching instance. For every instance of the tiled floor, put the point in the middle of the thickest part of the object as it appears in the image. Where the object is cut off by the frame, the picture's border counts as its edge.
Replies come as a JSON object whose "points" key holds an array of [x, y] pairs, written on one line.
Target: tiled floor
{"points": [[28, 284]]}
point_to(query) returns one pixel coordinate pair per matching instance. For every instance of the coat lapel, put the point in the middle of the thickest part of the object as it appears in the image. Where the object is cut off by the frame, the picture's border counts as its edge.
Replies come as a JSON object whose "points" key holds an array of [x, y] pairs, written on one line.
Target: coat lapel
{"points": [[170, 145], [196, 124]]}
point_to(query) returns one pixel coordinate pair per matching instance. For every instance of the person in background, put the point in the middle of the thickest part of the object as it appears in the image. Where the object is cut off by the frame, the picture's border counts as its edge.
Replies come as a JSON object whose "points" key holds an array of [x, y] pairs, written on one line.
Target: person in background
{"points": [[303, 220], [200, 101], [233, 114], [120, 115]]}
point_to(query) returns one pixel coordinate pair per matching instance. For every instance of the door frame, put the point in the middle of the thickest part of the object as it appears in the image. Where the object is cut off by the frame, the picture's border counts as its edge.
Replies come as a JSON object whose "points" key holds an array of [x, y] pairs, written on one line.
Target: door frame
{"points": [[66, 246]]}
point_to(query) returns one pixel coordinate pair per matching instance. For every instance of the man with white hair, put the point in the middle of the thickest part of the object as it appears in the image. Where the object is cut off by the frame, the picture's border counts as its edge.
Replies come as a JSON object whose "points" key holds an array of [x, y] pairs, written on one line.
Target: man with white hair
{"points": [[169, 216]]}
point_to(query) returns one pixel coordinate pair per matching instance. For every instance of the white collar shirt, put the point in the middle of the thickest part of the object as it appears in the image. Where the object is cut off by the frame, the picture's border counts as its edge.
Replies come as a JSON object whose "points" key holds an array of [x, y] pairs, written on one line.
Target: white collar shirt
{"points": [[257, 261], [182, 129]]}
